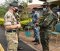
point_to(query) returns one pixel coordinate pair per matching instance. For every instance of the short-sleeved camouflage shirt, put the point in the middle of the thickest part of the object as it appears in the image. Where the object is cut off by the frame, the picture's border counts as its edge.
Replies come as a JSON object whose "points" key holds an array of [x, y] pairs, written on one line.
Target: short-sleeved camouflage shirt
{"points": [[9, 19]]}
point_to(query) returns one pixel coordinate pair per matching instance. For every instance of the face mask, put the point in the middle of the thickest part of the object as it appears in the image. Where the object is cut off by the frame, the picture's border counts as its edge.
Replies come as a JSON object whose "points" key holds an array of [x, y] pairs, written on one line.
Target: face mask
{"points": [[44, 9], [15, 10]]}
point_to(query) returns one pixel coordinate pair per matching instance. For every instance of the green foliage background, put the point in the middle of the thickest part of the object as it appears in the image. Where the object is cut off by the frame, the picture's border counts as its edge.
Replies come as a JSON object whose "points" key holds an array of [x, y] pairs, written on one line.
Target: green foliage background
{"points": [[24, 22], [24, 15], [2, 11]]}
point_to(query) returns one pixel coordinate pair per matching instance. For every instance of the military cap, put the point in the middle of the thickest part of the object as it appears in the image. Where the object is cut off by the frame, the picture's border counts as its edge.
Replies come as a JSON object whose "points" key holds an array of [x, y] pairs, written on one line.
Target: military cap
{"points": [[45, 3], [14, 3]]}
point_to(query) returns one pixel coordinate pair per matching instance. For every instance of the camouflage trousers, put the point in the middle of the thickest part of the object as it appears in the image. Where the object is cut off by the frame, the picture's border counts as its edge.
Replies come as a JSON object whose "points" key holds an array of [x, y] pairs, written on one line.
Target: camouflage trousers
{"points": [[44, 36], [12, 40]]}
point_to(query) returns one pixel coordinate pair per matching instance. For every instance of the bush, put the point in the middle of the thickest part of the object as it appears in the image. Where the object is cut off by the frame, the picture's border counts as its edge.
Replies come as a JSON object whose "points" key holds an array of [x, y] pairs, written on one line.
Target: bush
{"points": [[24, 22], [2, 11], [1, 21]]}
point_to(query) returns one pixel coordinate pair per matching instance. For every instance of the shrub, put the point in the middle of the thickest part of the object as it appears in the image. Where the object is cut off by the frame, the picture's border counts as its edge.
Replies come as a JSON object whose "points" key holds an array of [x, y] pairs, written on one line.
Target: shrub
{"points": [[24, 22]]}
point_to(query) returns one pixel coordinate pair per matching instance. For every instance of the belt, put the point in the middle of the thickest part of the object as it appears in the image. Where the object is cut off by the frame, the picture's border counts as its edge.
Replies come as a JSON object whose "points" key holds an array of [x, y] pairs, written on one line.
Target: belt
{"points": [[11, 30]]}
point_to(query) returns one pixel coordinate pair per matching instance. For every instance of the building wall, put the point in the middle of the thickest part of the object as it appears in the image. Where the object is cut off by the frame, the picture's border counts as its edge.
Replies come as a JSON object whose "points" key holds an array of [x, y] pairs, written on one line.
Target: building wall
{"points": [[33, 1], [51, 0]]}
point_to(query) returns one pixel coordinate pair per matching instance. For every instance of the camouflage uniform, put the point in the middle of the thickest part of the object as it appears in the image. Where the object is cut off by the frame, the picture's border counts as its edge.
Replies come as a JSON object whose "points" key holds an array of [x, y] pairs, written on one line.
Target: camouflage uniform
{"points": [[45, 26], [44, 39], [44, 36], [11, 37]]}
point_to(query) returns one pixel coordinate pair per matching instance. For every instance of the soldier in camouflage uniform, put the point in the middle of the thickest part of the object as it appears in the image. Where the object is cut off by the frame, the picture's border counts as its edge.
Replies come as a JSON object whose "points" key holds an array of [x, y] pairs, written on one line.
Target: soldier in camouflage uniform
{"points": [[49, 18], [10, 29], [44, 36]]}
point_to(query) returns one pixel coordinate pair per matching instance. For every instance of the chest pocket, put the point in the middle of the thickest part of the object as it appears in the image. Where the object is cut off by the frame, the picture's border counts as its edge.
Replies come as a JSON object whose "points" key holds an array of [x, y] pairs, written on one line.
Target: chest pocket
{"points": [[8, 18], [13, 20]]}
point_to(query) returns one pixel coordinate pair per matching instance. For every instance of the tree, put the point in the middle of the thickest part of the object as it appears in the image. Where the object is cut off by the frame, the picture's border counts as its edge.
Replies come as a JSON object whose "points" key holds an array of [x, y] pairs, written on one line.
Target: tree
{"points": [[7, 2], [2, 11], [24, 13]]}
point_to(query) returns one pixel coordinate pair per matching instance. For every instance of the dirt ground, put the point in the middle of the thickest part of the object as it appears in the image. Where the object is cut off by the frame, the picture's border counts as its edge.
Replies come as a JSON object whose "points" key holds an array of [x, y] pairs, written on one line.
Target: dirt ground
{"points": [[53, 44], [3, 42]]}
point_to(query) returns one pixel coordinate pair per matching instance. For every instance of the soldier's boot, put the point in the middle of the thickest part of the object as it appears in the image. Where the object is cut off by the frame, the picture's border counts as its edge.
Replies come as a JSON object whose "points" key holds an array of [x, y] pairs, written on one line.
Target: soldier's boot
{"points": [[46, 49]]}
